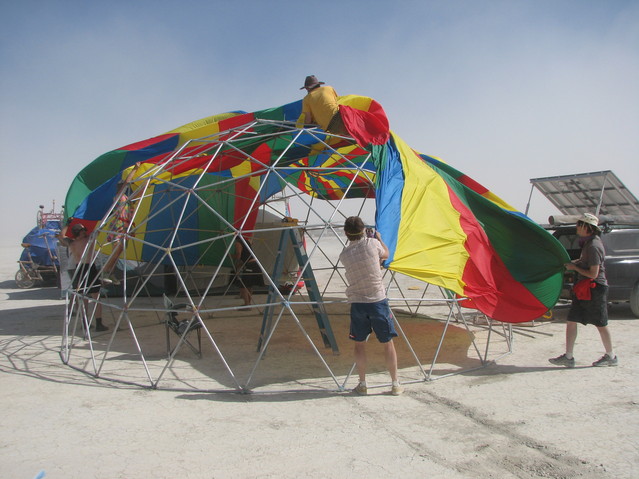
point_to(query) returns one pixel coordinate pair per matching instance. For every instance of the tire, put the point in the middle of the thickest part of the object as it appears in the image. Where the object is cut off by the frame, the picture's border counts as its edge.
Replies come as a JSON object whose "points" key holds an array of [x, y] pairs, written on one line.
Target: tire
{"points": [[634, 300], [23, 280]]}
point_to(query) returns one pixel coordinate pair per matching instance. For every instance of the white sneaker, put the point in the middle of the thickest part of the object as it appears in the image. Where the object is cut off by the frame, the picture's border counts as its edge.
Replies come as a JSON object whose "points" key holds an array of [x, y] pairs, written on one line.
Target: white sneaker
{"points": [[361, 389], [397, 390]]}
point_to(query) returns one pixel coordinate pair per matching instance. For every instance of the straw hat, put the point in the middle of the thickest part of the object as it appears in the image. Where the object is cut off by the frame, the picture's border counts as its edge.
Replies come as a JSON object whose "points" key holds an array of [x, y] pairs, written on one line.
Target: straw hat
{"points": [[590, 219]]}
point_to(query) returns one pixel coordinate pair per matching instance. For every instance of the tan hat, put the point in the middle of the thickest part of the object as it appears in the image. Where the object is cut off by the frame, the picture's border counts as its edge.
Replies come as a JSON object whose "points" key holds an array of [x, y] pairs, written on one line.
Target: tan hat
{"points": [[590, 219], [311, 82]]}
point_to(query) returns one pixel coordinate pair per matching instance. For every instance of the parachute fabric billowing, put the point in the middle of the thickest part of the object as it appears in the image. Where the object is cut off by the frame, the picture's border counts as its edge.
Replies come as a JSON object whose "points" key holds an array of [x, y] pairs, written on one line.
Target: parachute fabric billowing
{"points": [[441, 227], [446, 229]]}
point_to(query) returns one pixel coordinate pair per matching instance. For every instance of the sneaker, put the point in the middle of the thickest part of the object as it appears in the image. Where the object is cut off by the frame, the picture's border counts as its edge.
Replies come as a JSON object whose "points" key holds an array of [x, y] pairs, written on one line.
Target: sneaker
{"points": [[101, 327], [109, 279], [562, 361], [606, 360], [361, 389], [397, 390]]}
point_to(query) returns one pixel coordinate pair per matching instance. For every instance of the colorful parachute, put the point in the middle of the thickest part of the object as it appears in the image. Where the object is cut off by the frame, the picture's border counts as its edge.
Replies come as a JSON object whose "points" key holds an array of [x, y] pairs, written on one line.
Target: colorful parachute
{"points": [[446, 229], [441, 227]]}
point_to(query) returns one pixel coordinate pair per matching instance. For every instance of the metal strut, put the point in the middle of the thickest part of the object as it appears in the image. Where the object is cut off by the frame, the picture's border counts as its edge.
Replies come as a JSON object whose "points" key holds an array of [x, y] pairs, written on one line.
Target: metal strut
{"points": [[290, 235]]}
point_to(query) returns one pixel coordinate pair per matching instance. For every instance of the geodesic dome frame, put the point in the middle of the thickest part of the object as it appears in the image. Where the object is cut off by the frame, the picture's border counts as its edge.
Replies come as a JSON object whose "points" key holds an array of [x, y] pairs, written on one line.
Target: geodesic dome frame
{"points": [[289, 223]]}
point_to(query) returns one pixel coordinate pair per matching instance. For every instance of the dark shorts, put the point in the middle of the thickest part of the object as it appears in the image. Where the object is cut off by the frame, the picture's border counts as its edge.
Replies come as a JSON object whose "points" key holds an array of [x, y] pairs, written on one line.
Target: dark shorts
{"points": [[593, 311], [368, 317], [93, 282], [251, 275], [336, 125]]}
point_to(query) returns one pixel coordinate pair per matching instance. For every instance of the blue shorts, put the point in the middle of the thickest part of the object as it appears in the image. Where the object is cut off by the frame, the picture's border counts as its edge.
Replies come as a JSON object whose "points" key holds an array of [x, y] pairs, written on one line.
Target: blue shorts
{"points": [[368, 317]]}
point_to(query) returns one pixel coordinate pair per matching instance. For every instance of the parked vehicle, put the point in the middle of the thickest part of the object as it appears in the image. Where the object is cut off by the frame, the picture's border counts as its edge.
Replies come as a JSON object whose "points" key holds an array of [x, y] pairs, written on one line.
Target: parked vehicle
{"points": [[603, 194], [38, 262], [621, 242]]}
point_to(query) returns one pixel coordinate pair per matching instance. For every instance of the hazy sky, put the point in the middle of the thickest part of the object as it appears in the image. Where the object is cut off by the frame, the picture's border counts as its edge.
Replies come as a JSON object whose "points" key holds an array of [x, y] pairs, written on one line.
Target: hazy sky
{"points": [[504, 91]]}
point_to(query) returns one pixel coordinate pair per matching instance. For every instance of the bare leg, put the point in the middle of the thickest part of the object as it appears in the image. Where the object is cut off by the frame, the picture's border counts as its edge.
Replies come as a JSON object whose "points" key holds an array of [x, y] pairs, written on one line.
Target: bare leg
{"points": [[360, 359], [245, 294], [606, 339], [98, 314], [98, 306], [571, 337], [115, 255], [391, 359]]}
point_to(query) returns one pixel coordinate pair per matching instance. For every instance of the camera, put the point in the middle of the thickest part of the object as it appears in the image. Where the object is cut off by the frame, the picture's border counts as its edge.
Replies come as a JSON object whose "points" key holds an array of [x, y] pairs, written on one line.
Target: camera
{"points": [[370, 232]]}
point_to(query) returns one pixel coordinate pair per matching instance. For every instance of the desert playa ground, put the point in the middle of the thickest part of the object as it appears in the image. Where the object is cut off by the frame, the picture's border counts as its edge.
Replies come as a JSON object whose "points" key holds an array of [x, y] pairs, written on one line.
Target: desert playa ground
{"points": [[517, 417]]}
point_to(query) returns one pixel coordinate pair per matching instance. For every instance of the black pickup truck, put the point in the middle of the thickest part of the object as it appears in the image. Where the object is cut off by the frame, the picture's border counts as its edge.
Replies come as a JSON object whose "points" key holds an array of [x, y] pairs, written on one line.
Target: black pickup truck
{"points": [[621, 242]]}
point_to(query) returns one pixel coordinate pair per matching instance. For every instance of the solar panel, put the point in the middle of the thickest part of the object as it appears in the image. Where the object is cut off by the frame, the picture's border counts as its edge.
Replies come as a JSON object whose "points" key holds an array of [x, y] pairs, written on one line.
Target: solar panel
{"points": [[600, 192]]}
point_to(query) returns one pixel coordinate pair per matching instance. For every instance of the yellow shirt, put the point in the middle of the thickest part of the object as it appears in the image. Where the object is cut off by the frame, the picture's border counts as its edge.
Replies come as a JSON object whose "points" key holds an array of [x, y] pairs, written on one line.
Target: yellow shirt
{"points": [[322, 105]]}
